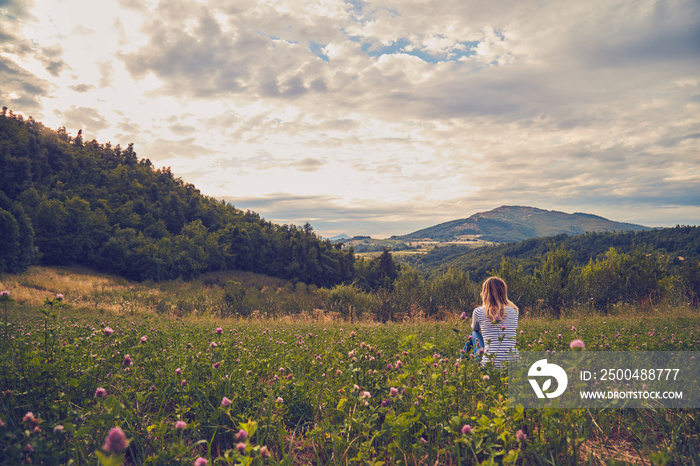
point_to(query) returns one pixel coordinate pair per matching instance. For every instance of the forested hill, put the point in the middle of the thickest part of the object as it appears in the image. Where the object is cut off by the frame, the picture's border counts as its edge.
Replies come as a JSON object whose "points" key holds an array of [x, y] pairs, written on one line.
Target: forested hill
{"points": [[68, 201], [680, 244]]}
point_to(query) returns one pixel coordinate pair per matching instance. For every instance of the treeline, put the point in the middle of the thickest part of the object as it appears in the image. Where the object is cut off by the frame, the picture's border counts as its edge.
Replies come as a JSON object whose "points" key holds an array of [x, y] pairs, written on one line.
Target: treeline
{"points": [[642, 278], [65, 201], [683, 241]]}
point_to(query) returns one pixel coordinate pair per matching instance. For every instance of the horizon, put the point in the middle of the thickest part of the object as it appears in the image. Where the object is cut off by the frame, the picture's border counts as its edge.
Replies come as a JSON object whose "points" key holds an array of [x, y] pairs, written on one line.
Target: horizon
{"points": [[378, 118], [464, 218]]}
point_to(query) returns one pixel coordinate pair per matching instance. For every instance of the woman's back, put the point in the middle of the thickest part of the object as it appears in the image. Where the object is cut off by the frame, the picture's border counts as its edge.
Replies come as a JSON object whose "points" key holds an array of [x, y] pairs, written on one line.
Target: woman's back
{"points": [[499, 337]]}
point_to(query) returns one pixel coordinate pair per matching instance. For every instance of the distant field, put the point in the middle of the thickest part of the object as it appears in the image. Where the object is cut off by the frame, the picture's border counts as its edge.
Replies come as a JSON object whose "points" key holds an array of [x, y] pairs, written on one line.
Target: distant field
{"points": [[372, 248], [303, 390]]}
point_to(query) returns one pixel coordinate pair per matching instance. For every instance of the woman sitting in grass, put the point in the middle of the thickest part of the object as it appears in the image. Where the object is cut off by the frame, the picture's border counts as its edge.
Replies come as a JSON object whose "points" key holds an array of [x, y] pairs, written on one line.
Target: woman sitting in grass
{"points": [[494, 325]]}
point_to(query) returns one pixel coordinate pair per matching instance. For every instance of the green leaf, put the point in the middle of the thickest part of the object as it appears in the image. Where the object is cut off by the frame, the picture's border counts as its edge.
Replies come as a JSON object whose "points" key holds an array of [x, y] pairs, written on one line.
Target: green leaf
{"points": [[105, 460], [83, 431]]}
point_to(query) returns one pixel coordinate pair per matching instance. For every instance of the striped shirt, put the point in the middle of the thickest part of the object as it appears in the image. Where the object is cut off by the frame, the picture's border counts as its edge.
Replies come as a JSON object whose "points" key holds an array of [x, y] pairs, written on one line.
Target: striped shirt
{"points": [[499, 337]]}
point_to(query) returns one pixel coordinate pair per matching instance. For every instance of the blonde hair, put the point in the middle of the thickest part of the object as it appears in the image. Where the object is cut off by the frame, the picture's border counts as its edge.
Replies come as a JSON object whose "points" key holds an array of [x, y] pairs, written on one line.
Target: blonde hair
{"points": [[494, 296]]}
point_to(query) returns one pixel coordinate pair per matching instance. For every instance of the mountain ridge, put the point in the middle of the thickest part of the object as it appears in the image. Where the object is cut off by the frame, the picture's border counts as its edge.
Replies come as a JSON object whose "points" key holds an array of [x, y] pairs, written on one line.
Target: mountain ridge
{"points": [[517, 223]]}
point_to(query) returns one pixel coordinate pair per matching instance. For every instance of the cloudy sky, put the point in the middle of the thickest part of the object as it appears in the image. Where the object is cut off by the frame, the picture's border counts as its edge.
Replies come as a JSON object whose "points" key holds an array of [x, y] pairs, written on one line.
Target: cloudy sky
{"points": [[379, 117]]}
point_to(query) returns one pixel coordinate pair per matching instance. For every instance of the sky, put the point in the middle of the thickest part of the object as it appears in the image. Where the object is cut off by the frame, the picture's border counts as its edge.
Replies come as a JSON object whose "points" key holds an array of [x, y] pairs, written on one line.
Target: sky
{"points": [[381, 117]]}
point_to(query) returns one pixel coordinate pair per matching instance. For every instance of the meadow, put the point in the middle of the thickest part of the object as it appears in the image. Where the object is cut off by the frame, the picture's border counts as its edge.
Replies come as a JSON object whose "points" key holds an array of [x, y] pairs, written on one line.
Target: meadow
{"points": [[93, 372]]}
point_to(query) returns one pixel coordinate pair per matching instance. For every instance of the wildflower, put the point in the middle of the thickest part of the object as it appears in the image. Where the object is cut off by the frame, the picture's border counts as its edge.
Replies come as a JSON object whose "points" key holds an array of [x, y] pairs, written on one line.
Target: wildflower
{"points": [[520, 436], [423, 440], [100, 392], [559, 336], [115, 441], [29, 449], [127, 361], [2, 424], [393, 391], [183, 382], [466, 429], [577, 345], [216, 365], [180, 425], [108, 331], [365, 395], [463, 315], [242, 435], [389, 367], [213, 344], [200, 462], [58, 428], [219, 330], [398, 364], [178, 371], [143, 339], [225, 402], [280, 399], [29, 417], [264, 452], [241, 447], [59, 297], [4, 294], [486, 378]]}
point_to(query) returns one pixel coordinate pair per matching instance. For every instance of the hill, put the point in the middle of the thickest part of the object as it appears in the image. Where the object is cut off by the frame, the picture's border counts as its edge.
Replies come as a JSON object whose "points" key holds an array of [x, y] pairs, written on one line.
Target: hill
{"points": [[680, 245], [66, 201], [516, 223]]}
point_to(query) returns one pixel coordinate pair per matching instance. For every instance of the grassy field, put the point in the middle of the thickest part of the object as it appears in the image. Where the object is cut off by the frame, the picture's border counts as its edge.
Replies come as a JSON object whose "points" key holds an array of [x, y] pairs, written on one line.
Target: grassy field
{"points": [[184, 388]]}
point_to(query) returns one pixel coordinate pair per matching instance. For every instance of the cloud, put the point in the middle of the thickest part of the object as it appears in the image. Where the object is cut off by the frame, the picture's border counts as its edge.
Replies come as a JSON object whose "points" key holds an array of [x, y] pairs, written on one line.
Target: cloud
{"points": [[169, 148], [308, 164], [449, 107], [329, 215], [85, 118], [51, 59], [81, 88], [21, 89], [16, 8]]}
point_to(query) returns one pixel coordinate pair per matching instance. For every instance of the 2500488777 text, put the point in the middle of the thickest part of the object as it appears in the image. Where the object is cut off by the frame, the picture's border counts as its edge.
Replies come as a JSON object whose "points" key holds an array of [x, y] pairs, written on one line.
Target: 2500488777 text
{"points": [[629, 374]]}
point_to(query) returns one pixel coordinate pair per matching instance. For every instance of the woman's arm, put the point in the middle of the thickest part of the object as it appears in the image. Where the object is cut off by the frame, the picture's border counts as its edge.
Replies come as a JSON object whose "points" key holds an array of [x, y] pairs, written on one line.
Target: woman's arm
{"points": [[475, 322]]}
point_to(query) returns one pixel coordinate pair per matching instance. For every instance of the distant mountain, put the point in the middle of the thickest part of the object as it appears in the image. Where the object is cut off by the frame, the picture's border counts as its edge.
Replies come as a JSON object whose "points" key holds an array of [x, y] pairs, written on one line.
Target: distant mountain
{"points": [[340, 237], [517, 223]]}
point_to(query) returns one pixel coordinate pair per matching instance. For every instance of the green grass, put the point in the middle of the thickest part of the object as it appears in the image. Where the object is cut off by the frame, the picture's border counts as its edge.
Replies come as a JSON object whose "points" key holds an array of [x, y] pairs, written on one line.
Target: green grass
{"points": [[308, 391]]}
